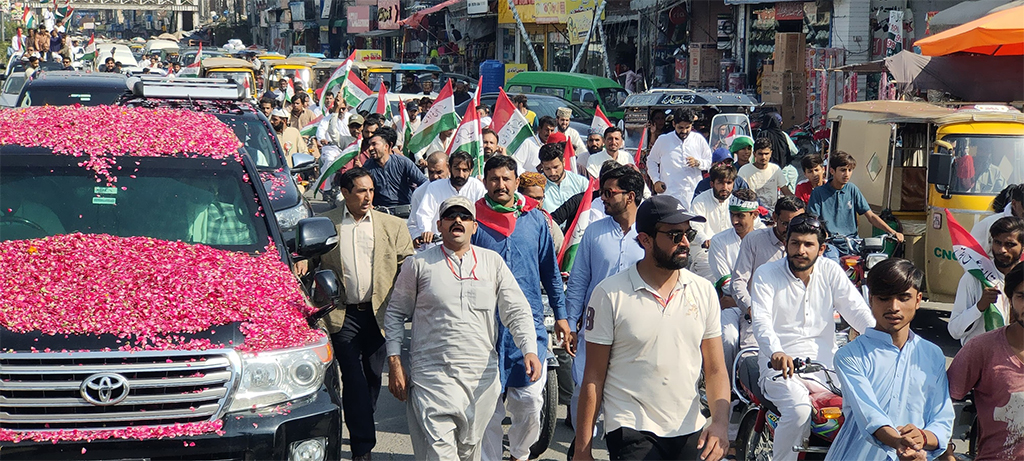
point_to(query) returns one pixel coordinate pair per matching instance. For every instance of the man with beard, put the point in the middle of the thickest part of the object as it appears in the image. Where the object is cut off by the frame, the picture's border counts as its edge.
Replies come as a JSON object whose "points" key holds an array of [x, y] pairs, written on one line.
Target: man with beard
{"points": [[991, 367], [459, 182], [452, 293], [395, 176], [720, 156], [613, 143], [563, 115], [793, 304], [653, 324], [677, 158], [290, 138], [608, 247], [562, 183], [510, 224], [713, 204], [973, 298], [437, 168], [760, 247]]}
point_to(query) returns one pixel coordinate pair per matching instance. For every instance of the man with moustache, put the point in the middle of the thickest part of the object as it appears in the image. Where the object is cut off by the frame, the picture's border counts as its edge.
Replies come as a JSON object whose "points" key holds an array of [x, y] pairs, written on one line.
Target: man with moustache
{"points": [[713, 204], [972, 298], [452, 293], [511, 224], [793, 300], [613, 143], [677, 158], [459, 182], [653, 324], [562, 183], [437, 168]]}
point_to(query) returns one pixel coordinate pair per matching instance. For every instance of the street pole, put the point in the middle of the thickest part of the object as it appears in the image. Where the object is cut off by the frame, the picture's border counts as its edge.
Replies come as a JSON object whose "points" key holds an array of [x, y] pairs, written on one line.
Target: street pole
{"points": [[604, 54], [526, 37], [590, 33]]}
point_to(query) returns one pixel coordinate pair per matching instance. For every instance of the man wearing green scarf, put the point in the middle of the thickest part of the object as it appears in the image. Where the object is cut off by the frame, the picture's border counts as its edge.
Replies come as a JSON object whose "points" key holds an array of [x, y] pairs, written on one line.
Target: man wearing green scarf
{"points": [[517, 229]]}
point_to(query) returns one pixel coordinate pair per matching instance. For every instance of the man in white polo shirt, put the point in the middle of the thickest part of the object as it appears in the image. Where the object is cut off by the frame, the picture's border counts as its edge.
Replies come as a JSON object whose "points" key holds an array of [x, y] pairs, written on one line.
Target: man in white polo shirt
{"points": [[793, 304], [652, 324], [613, 143]]}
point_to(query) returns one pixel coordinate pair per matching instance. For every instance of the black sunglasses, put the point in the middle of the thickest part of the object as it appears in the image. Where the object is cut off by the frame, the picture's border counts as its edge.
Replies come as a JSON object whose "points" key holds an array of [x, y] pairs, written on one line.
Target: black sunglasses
{"points": [[463, 215], [806, 220], [677, 236]]}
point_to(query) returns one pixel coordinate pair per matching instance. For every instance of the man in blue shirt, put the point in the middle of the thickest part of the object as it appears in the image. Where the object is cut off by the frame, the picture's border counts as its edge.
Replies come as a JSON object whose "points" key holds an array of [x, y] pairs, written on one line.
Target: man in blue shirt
{"points": [[839, 202], [513, 226], [608, 247], [895, 392], [394, 176]]}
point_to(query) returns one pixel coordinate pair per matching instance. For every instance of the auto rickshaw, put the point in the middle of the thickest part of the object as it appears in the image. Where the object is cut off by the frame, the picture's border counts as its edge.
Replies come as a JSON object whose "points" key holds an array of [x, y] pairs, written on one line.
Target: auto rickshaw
{"points": [[296, 69], [728, 114], [917, 159], [235, 69]]}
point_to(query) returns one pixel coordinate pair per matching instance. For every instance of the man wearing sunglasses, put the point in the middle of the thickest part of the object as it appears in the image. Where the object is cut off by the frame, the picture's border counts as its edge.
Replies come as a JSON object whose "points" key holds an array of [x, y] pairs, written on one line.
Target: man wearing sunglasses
{"points": [[793, 301], [653, 324], [452, 379]]}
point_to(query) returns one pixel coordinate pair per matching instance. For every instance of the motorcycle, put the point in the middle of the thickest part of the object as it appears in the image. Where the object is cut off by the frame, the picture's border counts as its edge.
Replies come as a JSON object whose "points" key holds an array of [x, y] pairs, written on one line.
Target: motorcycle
{"points": [[754, 440], [867, 252]]}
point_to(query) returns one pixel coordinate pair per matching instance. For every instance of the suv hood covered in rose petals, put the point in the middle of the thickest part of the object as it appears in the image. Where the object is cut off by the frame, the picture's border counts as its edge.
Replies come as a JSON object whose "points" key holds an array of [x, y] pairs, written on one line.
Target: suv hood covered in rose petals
{"points": [[143, 294]]}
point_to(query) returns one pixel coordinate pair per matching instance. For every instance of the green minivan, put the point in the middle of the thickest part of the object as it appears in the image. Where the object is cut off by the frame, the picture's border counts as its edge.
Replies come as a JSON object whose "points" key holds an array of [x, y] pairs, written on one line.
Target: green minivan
{"points": [[586, 90]]}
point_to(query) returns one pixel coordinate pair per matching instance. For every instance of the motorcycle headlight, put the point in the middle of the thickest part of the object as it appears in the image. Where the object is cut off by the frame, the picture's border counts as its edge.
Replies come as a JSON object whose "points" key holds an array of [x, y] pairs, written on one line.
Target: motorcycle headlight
{"points": [[288, 219], [875, 258], [271, 378]]}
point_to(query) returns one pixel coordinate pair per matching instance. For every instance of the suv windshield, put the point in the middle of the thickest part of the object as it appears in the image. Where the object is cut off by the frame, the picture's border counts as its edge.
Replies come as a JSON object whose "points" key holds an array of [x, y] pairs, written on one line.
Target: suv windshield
{"points": [[997, 161], [64, 96], [194, 200], [253, 134], [613, 98]]}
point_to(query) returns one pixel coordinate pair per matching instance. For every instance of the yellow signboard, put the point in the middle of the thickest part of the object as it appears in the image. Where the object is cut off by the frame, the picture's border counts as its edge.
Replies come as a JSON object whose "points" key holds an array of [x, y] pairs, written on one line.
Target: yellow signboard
{"points": [[524, 7], [369, 55], [512, 69], [578, 26], [544, 11]]}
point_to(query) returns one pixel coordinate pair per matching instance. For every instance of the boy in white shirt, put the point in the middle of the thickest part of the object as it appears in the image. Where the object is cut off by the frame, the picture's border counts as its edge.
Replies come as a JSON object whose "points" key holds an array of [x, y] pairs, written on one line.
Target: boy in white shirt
{"points": [[763, 176]]}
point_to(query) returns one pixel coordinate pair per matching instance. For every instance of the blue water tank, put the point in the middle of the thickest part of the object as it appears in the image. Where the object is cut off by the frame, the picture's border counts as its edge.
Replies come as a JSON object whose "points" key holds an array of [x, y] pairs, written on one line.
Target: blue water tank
{"points": [[493, 73]]}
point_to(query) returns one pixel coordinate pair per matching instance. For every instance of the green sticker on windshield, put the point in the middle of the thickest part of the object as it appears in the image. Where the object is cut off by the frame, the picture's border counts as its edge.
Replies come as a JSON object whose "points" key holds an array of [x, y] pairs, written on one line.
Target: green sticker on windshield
{"points": [[105, 190], [104, 201]]}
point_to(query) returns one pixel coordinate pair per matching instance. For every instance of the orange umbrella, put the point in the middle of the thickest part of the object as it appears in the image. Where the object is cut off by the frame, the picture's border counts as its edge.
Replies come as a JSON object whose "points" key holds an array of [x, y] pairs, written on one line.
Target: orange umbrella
{"points": [[998, 34]]}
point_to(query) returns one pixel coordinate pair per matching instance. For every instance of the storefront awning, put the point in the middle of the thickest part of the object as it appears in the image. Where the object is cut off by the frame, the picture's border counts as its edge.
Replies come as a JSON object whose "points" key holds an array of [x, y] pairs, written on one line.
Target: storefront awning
{"points": [[381, 33], [417, 17]]}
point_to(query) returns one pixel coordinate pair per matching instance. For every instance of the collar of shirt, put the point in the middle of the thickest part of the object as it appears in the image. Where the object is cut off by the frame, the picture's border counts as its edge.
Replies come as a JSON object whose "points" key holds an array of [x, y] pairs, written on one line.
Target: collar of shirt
{"points": [[640, 284], [349, 219], [885, 339]]}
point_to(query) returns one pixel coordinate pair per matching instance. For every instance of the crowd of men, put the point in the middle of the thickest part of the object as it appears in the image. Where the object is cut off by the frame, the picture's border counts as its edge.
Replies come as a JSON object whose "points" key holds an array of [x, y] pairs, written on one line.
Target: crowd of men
{"points": [[675, 266]]}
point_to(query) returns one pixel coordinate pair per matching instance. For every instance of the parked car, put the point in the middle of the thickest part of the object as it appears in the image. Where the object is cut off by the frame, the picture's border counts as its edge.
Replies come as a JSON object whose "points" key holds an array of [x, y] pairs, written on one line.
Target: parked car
{"points": [[11, 89], [228, 103], [66, 88], [175, 340], [588, 91]]}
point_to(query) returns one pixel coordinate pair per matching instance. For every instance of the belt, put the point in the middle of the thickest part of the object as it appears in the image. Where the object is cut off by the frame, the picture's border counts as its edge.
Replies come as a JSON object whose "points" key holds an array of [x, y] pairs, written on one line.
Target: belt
{"points": [[359, 307]]}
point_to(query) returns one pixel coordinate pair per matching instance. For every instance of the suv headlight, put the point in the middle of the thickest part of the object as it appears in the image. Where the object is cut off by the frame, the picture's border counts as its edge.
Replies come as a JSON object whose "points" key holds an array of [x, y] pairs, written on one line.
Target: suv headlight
{"points": [[270, 378], [288, 219]]}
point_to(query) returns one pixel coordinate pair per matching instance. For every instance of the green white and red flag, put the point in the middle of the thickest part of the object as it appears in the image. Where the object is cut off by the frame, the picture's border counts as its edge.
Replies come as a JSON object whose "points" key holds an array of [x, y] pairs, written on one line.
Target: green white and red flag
{"points": [[468, 138], [346, 155], [976, 262], [405, 128], [28, 18], [90, 49], [383, 106], [600, 122], [476, 96], [574, 233], [310, 129], [354, 90], [511, 125], [338, 77], [440, 117]]}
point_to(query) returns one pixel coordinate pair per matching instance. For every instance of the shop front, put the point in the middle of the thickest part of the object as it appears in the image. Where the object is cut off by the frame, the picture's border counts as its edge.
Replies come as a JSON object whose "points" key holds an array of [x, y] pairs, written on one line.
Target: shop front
{"points": [[556, 29]]}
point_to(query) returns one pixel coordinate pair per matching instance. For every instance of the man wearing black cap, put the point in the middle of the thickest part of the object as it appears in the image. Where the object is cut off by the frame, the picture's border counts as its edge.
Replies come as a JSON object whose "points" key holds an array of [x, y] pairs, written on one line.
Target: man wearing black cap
{"points": [[652, 324]]}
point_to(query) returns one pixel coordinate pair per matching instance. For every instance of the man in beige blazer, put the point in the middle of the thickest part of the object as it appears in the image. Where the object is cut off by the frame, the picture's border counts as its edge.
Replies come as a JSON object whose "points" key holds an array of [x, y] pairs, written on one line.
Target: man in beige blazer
{"points": [[371, 248]]}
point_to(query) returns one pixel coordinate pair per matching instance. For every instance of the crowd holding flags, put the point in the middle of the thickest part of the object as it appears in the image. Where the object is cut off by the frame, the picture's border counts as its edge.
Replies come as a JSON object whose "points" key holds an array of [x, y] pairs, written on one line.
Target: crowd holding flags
{"points": [[510, 124], [440, 117], [469, 138]]}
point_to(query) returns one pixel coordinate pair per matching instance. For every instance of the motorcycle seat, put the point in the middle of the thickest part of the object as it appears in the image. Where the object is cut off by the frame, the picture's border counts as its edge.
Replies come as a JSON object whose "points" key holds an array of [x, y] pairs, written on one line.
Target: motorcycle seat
{"points": [[750, 375]]}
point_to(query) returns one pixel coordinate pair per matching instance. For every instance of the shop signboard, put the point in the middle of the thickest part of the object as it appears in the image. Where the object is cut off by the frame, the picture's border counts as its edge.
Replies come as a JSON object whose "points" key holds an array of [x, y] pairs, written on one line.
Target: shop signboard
{"points": [[298, 10], [325, 9], [544, 11], [388, 14], [578, 26], [358, 19], [524, 7], [476, 7], [549, 11], [369, 55], [512, 69]]}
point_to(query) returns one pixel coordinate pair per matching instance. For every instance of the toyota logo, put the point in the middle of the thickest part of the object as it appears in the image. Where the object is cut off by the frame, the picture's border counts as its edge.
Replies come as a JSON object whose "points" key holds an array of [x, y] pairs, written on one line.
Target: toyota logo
{"points": [[104, 389]]}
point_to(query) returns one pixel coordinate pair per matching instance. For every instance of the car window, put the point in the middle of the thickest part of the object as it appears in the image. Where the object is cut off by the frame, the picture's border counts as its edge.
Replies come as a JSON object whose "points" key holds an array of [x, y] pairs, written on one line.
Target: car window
{"points": [[67, 96], [584, 97], [519, 89], [612, 98], [194, 200], [560, 92], [254, 136], [14, 83]]}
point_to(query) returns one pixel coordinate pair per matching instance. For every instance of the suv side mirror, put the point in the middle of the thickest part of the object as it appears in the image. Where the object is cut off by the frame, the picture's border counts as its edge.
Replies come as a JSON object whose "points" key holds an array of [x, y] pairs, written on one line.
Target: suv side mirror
{"points": [[304, 163], [315, 236], [326, 293]]}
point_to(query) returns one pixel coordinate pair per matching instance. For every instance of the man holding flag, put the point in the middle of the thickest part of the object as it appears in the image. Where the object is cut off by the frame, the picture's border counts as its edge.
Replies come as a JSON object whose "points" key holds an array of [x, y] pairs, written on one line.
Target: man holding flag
{"points": [[511, 224], [980, 303]]}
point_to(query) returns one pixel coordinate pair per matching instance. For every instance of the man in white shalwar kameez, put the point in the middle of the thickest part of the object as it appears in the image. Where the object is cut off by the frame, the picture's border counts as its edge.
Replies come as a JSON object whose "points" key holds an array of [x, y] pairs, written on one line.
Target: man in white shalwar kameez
{"points": [[452, 292], [423, 219]]}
